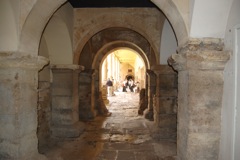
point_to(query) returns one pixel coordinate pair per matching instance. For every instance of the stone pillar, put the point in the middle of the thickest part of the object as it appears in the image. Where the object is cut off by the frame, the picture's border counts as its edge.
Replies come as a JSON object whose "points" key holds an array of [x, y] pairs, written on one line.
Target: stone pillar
{"points": [[44, 108], [165, 102], [18, 109], [104, 94], [94, 91], [86, 111], [200, 65], [65, 121], [151, 92]]}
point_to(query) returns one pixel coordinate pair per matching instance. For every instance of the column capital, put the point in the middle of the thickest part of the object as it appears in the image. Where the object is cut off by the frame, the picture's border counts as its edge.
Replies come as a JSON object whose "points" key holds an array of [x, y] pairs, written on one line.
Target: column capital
{"points": [[200, 54], [13, 60], [162, 69]]}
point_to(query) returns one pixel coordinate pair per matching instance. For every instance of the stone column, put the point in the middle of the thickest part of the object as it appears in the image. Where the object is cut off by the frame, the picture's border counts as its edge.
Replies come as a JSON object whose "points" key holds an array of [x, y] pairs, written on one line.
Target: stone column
{"points": [[151, 92], [104, 94], [165, 103], [200, 65], [18, 109], [86, 111], [65, 111], [94, 91]]}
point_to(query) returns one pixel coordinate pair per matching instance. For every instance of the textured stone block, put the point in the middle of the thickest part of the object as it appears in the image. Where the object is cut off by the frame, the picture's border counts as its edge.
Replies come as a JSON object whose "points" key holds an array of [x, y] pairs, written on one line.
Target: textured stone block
{"points": [[170, 92], [61, 102], [203, 146], [8, 127], [62, 117], [167, 105], [167, 81], [167, 120]]}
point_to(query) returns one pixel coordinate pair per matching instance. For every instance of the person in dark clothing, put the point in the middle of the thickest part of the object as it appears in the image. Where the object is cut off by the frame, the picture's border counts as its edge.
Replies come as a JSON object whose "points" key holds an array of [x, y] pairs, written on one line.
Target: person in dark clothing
{"points": [[109, 82], [110, 87]]}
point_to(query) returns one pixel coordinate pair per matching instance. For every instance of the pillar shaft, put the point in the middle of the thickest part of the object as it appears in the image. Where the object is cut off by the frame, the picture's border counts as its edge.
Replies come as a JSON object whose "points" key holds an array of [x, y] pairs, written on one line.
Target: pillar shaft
{"points": [[165, 116], [200, 67], [65, 109], [151, 92], [18, 110]]}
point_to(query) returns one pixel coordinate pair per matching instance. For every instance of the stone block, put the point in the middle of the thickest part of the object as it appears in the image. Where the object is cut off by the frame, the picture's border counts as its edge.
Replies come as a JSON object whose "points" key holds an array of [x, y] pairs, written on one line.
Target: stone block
{"points": [[24, 97], [62, 79], [203, 146], [27, 123], [167, 105], [68, 131], [61, 116], [8, 150], [165, 133], [167, 81], [61, 102], [28, 145], [7, 105], [167, 121], [8, 130], [209, 96], [203, 119], [62, 91], [168, 92]]}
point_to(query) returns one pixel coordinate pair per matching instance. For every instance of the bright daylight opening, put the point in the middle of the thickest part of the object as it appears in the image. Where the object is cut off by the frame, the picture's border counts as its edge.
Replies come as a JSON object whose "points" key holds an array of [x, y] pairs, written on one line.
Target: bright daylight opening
{"points": [[123, 70]]}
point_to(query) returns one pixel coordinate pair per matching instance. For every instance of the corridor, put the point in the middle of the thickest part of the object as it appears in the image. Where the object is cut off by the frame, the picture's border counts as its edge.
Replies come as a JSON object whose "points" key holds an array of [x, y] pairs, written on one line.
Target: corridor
{"points": [[122, 136]]}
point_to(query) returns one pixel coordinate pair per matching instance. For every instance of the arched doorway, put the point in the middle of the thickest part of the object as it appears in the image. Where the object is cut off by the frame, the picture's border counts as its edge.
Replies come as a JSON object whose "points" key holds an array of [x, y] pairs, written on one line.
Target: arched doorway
{"points": [[31, 32]]}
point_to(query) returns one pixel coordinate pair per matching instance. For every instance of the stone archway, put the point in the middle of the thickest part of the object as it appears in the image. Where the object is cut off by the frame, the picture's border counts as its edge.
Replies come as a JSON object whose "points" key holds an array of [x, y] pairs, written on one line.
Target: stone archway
{"points": [[105, 50], [19, 125], [24, 64], [103, 53]]}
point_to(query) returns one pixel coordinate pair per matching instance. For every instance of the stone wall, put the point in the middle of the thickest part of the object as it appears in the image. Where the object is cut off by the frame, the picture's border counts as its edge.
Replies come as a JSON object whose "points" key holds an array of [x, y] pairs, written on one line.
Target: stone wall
{"points": [[146, 21]]}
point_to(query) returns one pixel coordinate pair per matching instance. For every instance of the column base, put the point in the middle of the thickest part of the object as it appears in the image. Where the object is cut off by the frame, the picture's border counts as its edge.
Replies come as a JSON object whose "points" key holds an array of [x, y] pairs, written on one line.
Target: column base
{"points": [[149, 115]]}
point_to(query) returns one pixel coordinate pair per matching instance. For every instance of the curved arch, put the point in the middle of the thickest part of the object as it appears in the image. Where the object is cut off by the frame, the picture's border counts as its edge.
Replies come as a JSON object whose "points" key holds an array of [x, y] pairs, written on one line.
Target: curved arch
{"points": [[104, 51], [58, 40], [33, 27], [8, 29], [170, 10], [97, 28]]}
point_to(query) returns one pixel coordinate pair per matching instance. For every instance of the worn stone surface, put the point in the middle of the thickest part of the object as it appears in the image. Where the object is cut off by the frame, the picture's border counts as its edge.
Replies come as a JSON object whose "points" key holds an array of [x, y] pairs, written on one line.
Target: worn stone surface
{"points": [[165, 101], [44, 114], [124, 135], [200, 67], [64, 123], [18, 118]]}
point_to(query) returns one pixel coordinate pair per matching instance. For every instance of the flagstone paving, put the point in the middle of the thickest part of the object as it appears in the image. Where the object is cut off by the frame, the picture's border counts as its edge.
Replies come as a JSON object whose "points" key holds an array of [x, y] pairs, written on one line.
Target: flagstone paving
{"points": [[124, 135]]}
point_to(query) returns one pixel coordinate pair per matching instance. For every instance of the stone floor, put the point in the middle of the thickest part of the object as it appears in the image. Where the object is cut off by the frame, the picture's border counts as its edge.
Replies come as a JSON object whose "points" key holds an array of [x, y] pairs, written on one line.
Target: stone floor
{"points": [[122, 136]]}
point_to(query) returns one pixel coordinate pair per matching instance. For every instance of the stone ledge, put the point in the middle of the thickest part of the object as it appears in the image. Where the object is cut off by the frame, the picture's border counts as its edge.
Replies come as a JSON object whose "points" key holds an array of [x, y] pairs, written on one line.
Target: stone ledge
{"points": [[22, 62]]}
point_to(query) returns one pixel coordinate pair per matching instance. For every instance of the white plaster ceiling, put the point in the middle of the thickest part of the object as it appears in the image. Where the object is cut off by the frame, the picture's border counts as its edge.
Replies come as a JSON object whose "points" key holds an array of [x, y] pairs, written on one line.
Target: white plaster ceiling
{"points": [[126, 55]]}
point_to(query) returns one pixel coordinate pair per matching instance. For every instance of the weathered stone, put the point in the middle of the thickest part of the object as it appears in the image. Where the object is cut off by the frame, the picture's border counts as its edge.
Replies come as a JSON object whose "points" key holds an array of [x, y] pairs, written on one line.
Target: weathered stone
{"points": [[167, 121], [200, 66]]}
